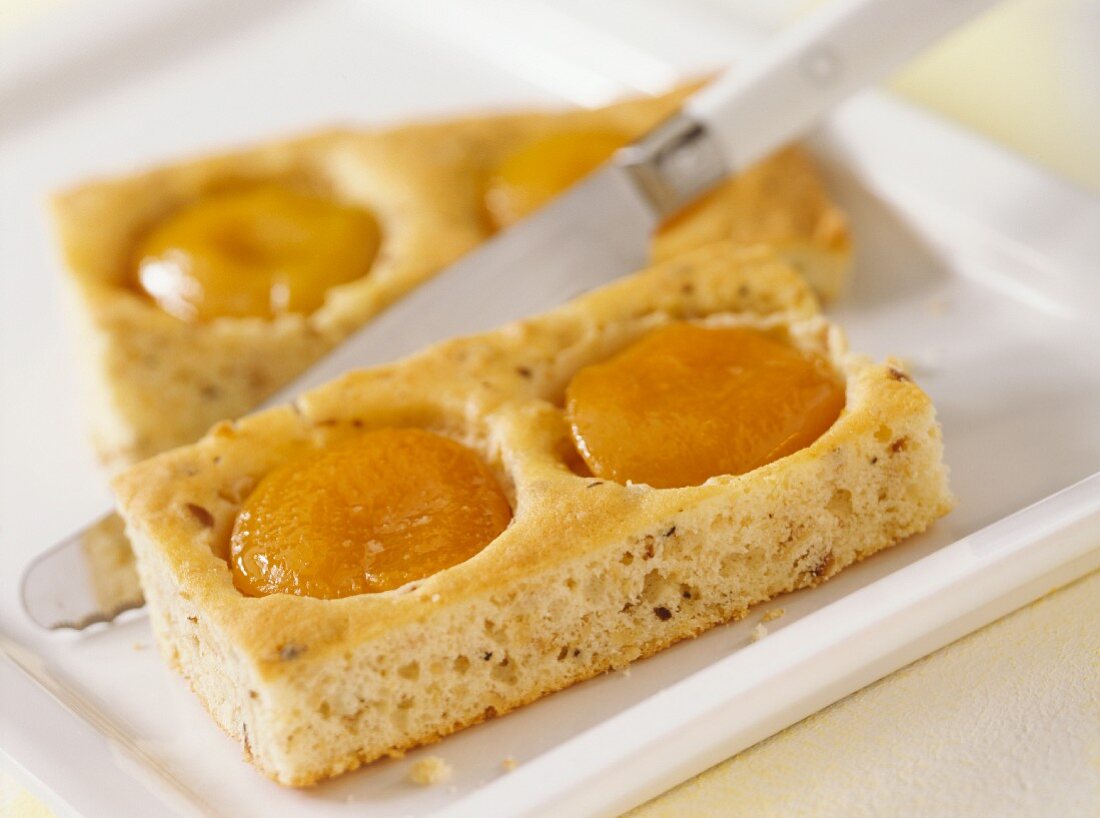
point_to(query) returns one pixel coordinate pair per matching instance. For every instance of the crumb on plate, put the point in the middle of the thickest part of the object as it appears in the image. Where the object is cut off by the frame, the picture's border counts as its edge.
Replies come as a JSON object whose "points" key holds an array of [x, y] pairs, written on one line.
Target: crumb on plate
{"points": [[429, 771]]}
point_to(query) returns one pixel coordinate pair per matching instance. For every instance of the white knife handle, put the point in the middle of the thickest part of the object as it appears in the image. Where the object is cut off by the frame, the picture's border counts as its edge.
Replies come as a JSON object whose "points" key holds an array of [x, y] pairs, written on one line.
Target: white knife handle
{"points": [[809, 68], [780, 91]]}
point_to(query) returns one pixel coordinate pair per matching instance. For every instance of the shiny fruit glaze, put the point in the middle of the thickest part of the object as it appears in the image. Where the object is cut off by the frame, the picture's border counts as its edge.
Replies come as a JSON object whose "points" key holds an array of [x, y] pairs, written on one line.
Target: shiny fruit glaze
{"points": [[257, 252], [686, 403], [536, 172], [369, 514]]}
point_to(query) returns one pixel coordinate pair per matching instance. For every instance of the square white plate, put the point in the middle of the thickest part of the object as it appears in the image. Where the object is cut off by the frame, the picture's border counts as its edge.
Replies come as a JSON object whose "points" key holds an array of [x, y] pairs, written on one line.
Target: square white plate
{"points": [[981, 271]]}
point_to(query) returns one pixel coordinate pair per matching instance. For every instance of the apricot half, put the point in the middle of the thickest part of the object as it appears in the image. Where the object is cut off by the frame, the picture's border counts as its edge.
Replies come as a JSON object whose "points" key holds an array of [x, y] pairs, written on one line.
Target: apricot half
{"points": [[539, 170], [263, 251], [687, 403], [370, 514]]}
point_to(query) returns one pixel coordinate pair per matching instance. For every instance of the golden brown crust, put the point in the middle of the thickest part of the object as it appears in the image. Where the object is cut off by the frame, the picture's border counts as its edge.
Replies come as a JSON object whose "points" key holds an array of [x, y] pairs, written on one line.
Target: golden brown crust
{"points": [[590, 575], [155, 382], [781, 202]]}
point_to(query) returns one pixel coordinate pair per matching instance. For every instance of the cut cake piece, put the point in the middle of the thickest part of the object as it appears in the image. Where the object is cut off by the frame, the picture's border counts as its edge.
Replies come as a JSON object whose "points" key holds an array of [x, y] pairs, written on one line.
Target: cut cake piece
{"points": [[155, 382], [590, 575]]}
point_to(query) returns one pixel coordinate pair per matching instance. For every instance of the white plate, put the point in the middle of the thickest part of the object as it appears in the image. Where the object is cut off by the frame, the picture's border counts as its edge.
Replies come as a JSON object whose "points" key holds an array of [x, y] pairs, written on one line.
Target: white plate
{"points": [[977, 268]]}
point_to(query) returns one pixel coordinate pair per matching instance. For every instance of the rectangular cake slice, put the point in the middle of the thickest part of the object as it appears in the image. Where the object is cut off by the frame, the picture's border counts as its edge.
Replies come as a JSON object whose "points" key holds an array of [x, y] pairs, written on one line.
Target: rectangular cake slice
{"points": [[591, 574]]}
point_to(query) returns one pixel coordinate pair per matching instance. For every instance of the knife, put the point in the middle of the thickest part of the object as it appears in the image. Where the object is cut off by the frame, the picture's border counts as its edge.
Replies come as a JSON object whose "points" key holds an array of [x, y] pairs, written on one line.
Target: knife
{"points": [[593, 233]]}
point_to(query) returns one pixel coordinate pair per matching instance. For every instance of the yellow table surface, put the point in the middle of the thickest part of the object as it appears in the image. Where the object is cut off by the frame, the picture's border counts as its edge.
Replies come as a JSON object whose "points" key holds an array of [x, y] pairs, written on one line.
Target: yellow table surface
{"points": [[1005, 722]]}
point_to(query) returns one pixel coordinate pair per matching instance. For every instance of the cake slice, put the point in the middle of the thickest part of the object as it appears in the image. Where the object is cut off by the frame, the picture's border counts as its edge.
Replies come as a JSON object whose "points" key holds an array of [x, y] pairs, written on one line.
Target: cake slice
{"points": [[159, 370], [590, 574]]}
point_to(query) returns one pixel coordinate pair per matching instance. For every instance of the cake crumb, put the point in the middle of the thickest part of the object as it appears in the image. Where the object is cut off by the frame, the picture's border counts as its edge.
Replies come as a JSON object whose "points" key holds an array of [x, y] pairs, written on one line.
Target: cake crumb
{"points": [[140, 646], [773, 614], [758, 633], [508, 764], [429, 771]]}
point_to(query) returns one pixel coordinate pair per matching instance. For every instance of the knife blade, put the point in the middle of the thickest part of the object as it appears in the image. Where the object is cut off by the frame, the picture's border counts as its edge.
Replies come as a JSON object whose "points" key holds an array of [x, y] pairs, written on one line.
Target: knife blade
{"points": [[595, 232]]}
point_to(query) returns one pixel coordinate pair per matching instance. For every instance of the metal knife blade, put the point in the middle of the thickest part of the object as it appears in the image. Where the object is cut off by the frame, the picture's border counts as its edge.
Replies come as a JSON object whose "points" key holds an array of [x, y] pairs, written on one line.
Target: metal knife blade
{"points": [[594, 233]]}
